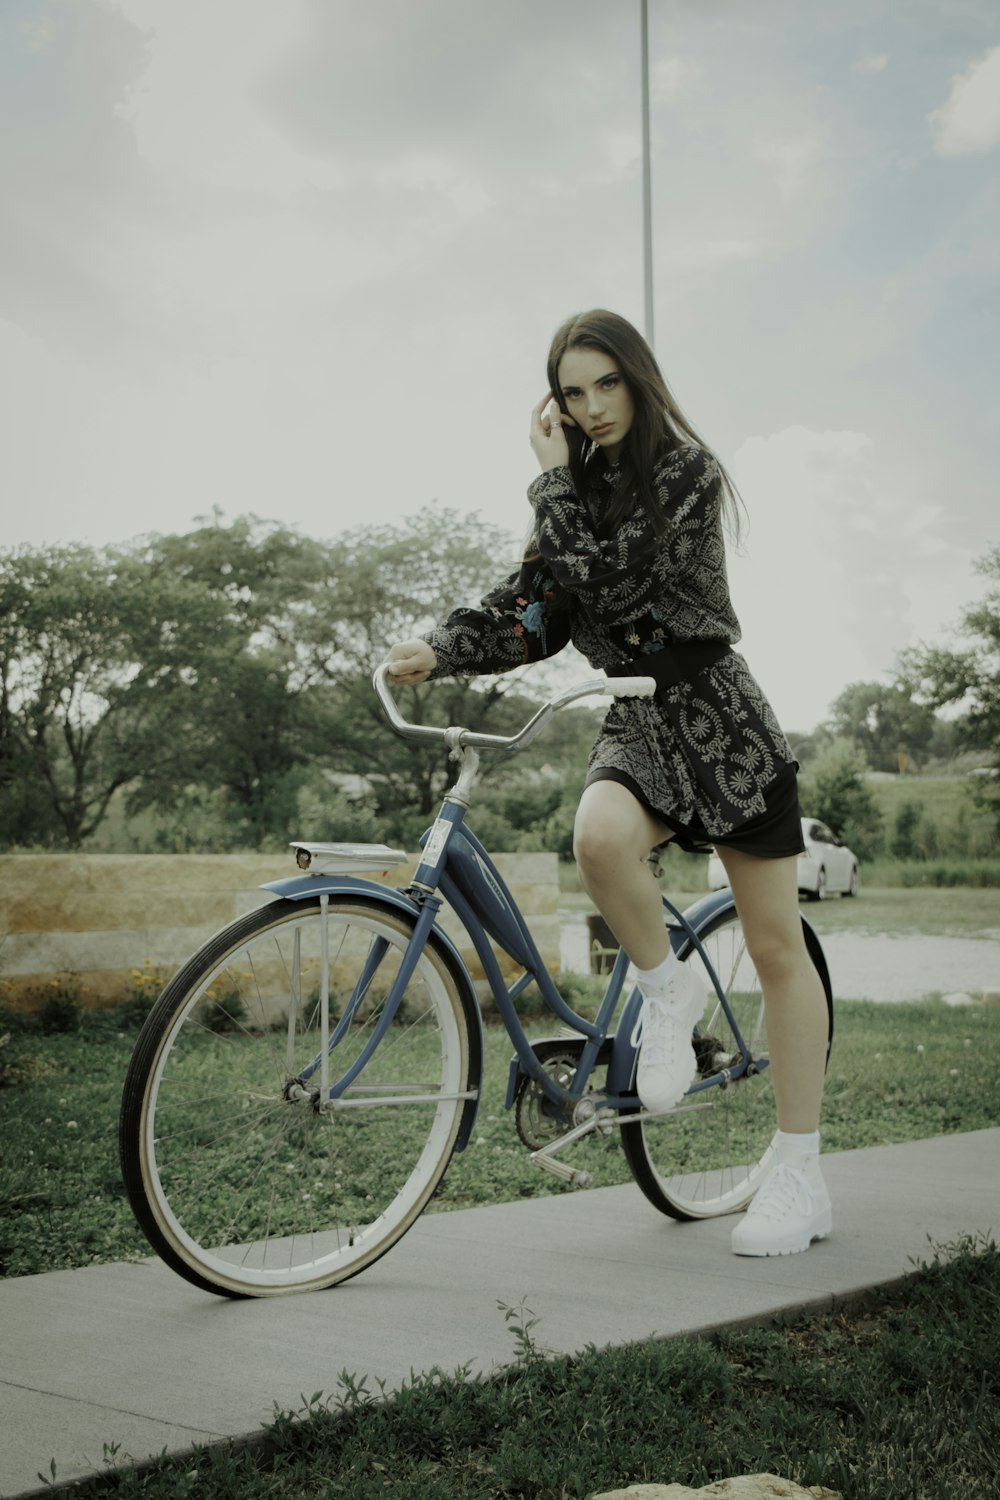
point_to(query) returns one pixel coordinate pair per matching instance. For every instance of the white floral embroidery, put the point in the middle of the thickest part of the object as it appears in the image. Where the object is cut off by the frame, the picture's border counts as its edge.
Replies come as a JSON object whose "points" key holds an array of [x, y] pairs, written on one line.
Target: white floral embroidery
{"points": [[703, 751]]}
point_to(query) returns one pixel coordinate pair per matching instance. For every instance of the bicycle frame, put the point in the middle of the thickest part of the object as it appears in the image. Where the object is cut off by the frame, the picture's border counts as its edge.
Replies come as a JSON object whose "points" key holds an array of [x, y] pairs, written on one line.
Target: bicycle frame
{"points": [[321, 1135], [456, 866], [473, 886]]}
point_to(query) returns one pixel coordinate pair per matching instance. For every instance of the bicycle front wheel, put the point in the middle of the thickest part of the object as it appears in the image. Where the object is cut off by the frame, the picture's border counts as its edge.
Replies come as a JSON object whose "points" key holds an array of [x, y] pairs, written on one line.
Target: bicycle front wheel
{"points": [[242, 1181], [710, 1158]]}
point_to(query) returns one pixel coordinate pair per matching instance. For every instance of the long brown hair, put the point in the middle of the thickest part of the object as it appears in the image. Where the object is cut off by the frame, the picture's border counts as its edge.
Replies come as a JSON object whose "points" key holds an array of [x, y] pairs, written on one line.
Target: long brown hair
{"points": [[659, 425]]}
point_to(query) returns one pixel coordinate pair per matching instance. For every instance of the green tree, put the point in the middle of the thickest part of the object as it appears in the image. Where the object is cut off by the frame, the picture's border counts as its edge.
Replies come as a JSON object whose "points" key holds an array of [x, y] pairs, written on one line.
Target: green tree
{"points": [[247, 725], [26, 812], [387, 583], [882, 720], [833, 788], [969, 679], [85, 639], [221, 678]]}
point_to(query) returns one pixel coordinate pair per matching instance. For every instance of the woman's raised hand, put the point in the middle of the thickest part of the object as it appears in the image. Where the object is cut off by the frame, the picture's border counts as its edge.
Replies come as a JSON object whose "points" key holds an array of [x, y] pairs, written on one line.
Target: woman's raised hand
{"points": [[547, 436], [410, 662]]}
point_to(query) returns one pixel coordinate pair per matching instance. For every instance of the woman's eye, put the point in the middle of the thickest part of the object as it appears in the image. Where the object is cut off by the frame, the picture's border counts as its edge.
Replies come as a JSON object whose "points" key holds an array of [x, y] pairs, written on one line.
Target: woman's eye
{"points": [[610, 383]]}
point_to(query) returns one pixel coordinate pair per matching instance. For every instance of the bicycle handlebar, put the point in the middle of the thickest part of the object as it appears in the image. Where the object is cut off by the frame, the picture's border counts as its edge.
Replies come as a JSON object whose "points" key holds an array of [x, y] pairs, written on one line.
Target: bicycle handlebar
{"points": [[609, 687]]}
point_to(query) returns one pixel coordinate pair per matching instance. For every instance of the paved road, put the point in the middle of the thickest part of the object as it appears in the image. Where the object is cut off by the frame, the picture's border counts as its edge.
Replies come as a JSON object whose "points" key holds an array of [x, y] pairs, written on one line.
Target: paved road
{"points": [[873, 966], [131, 1354]]}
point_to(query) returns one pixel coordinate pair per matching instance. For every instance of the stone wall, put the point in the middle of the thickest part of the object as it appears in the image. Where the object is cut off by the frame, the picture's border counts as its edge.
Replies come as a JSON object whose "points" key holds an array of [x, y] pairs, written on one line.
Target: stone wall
{"points": [[102, 915]]}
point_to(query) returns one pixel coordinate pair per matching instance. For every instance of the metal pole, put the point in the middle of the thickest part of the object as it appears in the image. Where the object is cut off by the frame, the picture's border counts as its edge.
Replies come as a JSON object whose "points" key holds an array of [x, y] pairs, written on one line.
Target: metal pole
{"points": [[647, 215]]}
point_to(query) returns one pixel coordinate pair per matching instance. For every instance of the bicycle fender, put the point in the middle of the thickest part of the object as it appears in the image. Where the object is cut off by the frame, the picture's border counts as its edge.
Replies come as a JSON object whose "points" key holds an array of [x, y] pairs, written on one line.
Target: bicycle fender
{"points": [[300, 887], [707, 908], [717, 903]]}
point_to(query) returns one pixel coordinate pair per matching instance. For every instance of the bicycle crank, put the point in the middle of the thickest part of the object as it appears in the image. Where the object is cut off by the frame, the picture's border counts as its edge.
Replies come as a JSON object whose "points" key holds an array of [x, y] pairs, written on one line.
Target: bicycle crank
{"points": [[537, 1119]]}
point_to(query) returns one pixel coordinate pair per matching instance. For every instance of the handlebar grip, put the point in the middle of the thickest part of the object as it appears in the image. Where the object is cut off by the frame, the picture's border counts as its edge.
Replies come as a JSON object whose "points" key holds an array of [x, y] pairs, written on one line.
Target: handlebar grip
{"points": [[629, 687]]}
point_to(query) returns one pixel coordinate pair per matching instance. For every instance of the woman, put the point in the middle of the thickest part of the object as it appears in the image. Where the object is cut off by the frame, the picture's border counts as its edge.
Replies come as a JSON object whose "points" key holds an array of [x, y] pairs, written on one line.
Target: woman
{"points": [[627, 560]]}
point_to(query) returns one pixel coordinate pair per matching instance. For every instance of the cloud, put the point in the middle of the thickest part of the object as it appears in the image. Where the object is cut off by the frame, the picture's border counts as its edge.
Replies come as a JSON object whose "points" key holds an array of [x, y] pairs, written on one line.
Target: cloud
{"points": [[873, 62], [67, 168], [969, 121], [669, 75], [789, 159], [306, 260], [843, 567], [213, 58], [508, 92]]}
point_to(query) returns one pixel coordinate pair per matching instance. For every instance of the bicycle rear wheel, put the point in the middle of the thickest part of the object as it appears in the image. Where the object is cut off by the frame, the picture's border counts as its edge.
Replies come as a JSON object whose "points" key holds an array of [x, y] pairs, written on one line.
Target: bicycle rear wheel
{"points": [[710, 1160], [247, 1192]]}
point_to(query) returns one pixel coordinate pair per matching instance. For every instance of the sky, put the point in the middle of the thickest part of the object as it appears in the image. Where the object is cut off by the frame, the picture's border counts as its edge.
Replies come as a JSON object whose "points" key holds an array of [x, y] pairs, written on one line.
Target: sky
{"points": [[305, 260]]}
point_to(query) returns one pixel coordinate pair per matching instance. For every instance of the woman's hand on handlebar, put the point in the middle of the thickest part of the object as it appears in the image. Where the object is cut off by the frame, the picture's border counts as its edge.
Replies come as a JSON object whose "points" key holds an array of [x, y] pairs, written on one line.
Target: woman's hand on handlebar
{"points": [[410, 662]]}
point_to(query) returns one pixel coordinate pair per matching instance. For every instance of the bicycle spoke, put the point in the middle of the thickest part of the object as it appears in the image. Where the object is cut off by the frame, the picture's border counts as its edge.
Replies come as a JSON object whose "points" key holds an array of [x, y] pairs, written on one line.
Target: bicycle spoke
{"points": [[699, 1164], [244, 1188]]}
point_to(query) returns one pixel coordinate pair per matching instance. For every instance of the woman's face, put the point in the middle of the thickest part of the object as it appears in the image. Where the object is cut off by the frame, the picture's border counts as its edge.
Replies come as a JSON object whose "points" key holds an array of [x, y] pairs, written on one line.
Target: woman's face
{"points": [[597, 397]]}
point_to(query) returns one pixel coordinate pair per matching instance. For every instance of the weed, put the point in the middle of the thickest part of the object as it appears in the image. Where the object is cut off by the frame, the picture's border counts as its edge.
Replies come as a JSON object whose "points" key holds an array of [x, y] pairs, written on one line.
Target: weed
{"points": [[12, 1065], [61, 1009], [520, 1321], [225, 1012], [582, 992], [142, 988]]}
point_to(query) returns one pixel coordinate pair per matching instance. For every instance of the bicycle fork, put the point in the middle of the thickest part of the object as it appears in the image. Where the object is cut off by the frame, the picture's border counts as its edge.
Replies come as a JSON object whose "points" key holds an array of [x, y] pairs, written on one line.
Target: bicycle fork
{"points": [[327, 1095]]}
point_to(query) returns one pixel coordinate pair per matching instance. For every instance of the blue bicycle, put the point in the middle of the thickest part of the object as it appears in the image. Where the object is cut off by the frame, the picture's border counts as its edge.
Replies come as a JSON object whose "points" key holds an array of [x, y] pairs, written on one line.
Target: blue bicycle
{"points": [[300, 1085]]}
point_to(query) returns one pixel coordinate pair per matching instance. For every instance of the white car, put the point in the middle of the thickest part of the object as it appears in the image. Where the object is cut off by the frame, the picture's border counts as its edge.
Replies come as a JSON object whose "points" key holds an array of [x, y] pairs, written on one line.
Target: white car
{"points": [[827, 865]]}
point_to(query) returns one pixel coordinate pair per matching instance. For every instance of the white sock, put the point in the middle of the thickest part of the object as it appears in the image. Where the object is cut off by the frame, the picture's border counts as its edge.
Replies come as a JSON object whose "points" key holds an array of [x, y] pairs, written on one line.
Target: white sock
{"points": [[654, 981], [790, 1147]]}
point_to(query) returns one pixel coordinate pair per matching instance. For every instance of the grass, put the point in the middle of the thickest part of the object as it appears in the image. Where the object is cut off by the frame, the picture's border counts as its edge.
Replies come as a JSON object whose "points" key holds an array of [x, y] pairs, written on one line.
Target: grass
{"points": [[942, 873], [880, 908], [898, 1073], [899, 1396], [933, 912], [945, 801]]}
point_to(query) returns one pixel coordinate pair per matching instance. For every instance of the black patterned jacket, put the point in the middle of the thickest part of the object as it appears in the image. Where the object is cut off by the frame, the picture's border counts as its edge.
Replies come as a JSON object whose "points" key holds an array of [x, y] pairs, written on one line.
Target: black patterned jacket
{"points": [[616, 597], [707, 750]]}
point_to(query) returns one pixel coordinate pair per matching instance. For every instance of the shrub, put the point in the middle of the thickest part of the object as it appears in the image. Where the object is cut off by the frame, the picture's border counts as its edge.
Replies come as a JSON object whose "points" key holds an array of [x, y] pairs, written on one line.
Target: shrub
{"points": [[835, 790], [980, 873], [141, 992], [225, 1012], [11, 1068]]}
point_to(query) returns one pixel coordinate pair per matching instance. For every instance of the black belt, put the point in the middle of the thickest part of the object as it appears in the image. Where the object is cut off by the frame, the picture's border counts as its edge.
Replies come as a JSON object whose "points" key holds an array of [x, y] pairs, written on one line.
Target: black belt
{"points": [[676, 662]]}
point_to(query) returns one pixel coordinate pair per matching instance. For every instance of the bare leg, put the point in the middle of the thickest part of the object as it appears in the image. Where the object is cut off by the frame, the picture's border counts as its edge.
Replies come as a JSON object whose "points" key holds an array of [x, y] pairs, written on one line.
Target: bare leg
{"points": [[613, 836], [767, 900]]}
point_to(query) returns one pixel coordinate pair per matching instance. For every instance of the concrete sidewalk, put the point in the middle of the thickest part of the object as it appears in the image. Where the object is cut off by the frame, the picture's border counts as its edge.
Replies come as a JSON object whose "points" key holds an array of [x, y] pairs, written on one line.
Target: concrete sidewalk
{"points": [[130, 1354]]}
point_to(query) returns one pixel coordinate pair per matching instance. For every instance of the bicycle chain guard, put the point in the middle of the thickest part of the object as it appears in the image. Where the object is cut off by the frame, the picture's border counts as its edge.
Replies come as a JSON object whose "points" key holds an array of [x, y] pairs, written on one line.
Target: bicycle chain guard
{"points": [[539, 1121], [536, 1116]]}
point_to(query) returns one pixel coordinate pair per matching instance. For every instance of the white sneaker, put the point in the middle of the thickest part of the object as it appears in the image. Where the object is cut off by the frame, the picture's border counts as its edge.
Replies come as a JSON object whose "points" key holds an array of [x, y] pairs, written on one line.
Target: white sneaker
{"points": [[790, 1209], [667, 1062]]}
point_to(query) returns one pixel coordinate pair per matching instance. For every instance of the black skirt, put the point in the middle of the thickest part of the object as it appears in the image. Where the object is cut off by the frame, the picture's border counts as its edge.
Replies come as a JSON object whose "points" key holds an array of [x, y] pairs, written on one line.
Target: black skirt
{"points": [[706, 755], [775, 833]]}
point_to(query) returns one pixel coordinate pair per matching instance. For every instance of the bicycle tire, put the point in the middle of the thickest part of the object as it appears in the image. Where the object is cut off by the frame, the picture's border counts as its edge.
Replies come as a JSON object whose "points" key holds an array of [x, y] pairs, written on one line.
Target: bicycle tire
{"points": [[245, 1193], [710, 1161]]}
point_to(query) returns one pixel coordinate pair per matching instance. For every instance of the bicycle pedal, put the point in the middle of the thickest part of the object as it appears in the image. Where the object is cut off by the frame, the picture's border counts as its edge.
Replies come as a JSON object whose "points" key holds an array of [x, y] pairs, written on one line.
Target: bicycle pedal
{"points": [[559, 1169]]}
